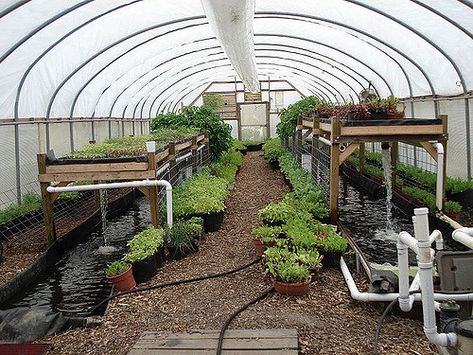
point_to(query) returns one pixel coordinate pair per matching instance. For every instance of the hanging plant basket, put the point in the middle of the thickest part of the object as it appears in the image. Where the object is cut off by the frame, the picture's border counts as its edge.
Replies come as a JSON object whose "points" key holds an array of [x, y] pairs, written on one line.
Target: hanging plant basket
{"points": [[292, 289]]}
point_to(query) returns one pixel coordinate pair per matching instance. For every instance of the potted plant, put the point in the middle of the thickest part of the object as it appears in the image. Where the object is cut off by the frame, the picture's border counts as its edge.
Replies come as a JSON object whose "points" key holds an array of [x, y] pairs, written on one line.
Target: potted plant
{"points": [[288, 275], [272, 150], [183, 238], [121, 275], [461, 191], [331, 245], [265, 236], [276, 214], [143, 250]]}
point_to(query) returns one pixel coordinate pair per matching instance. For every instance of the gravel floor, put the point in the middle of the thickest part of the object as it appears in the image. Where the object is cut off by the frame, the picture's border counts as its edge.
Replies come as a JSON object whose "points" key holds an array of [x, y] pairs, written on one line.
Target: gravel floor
{"points": [[328, 321]]}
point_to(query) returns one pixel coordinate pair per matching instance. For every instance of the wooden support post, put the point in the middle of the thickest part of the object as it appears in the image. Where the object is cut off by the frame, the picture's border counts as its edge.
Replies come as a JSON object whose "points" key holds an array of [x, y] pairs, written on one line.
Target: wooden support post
{"points": [[394, 156], [194, 155], [314, 151], [334, 169], [153, 191], [172, 162], [298, 142], [362, 158], [47, 203], [206, 153]]}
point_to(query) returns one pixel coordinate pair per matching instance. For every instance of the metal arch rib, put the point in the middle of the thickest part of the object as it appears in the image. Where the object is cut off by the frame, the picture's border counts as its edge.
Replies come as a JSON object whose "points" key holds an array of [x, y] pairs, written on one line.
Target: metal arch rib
{"points": [[275, 45], [205, 69], [13, 7], [180, 56], [40, 27], [174, 103], [103, 50], [47, 50], [271, 64], [71, 113]]}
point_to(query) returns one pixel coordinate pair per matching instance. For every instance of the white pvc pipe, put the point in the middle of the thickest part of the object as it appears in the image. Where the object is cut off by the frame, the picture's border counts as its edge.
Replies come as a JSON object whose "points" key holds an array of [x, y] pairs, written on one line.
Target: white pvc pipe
{"points": [[325, 141], [117, 185], [421, 229], [386, 297], [439, 188], [436, 237], [464, 235]]}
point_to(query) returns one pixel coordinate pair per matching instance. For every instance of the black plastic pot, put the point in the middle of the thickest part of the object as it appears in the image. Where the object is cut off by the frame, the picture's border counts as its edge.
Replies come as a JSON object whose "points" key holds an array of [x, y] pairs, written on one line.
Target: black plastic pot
{"points": [[378, 115], [180, 251], [274, 164], [159, 256], [273, 223], [331, 260], [145, 269], [212, 221]]}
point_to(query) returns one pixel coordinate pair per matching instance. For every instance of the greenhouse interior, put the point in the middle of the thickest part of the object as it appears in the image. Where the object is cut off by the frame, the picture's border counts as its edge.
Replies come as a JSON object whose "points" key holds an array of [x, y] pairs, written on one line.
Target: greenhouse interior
{"points": [[236, 177]]}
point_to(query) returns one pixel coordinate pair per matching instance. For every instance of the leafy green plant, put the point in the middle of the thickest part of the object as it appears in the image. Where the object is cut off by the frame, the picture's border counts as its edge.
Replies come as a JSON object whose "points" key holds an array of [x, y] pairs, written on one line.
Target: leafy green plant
{"points": [[29, 202], [272, 150], [238, 145], [131, 146], [300, 234], [267, 234], [226, 166], [201, 194], [144, 244], [185, 232], [286, 266], [289, 116], [429, 200], [214, 101], [291, 272], [250, 143], [116, 268], [203, 118], [457, 185], [279, 212]]}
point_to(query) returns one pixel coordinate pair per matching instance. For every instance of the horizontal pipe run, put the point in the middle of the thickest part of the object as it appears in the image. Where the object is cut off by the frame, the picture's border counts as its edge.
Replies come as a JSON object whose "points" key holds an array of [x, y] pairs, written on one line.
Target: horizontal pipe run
{"points": [[127, 184], [325, 141], [464, 236], [387, 297]]}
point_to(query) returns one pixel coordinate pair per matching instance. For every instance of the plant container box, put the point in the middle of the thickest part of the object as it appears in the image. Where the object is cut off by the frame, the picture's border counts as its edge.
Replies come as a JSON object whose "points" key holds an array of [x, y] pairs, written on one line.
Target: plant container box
{"points": [[145, 269], [212, 221]]}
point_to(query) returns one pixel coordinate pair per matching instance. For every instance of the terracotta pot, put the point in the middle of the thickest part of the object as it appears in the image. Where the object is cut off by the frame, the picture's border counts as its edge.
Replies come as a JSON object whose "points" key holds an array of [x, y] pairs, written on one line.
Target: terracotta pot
{"points": [[124, 281], [292, 289], [260, 246]]}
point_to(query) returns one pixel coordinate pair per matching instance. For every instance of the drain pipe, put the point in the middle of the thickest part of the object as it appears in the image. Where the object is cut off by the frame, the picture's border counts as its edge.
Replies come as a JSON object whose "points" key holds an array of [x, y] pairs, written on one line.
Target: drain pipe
{"points": [[117, 185], [421, 229], [464, 235], [439, 187]]}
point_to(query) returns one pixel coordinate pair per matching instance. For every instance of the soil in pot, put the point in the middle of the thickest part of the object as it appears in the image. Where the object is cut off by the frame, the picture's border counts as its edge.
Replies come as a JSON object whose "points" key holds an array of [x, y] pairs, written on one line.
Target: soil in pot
{"points": [[145, 269], [292, 289], [124, 281], [212, 221]]}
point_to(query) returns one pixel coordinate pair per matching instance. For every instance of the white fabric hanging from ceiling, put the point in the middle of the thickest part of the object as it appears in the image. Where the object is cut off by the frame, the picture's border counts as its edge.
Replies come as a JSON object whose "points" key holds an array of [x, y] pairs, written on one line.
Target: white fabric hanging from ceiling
{"points": [[232, 22]]}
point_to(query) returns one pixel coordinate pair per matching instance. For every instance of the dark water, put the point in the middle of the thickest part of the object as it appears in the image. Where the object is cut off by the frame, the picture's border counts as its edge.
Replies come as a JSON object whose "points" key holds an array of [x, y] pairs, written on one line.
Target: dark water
{"points": [[77, 282]]}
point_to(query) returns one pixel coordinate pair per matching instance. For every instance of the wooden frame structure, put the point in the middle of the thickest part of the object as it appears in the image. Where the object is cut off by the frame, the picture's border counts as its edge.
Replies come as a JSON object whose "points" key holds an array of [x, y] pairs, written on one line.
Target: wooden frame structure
{"points": [[98, 170], [335, 133]]}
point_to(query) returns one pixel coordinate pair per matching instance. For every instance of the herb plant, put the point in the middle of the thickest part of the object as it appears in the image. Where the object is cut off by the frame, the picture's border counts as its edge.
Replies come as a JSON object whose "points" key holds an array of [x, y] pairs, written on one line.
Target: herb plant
{"points": [[116, 268], [144, 244]]}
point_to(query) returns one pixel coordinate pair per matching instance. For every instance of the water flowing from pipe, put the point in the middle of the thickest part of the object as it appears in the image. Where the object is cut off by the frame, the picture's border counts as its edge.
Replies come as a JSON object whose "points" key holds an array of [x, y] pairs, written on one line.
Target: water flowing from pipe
{"points": [[103, 202], [387, 168]]}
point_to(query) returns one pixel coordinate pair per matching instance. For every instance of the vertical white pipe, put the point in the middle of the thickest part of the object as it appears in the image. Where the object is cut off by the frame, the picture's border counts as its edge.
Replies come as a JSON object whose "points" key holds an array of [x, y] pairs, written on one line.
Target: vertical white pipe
{"points": [[439, 188], [403, 264], [421, 229]]}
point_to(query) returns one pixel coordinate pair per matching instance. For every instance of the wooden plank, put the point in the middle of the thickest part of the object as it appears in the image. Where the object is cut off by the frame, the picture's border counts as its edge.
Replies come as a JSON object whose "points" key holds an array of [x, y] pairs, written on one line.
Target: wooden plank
{"points": [[97, 176], [390, 138], [404, 130], [348, 151], [212, 351], [326, 127], [230, 333], [153, 192], [159, 157], [75, 168], [234, 344], [182, 146], [430, 149], [307, 124], [334, 171]]}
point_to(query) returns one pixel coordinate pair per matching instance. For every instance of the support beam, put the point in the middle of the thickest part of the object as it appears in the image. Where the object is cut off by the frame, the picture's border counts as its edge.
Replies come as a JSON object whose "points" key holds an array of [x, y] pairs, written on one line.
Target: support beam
{"points": [[348, 151], [153, 191], [194, 155], [430, 149], [47, 203], [334, 169]]}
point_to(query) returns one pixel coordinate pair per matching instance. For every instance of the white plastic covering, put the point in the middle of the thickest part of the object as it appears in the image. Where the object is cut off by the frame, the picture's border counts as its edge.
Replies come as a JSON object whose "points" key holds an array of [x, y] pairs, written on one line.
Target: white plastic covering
{"points": [[135, 58], [232, 22]]}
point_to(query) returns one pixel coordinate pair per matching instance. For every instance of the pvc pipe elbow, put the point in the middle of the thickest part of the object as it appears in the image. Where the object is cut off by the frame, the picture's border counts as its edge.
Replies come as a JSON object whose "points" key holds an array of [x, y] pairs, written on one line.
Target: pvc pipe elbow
{"points": [[440, 339], [437, 237], [405, 304], [462, 236]]}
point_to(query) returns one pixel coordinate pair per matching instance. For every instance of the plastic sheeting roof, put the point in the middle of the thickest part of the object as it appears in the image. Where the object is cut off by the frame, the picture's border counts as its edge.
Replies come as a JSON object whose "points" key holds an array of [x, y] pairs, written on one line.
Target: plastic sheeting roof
{"points": [[135, 58]]}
